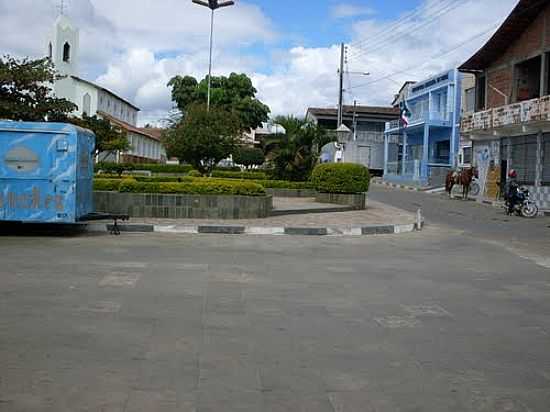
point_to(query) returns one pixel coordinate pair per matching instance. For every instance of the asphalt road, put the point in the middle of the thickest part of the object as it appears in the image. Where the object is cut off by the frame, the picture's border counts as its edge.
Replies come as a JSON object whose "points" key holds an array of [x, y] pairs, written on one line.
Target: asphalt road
{"points": [[524, 237], [432, 321]]}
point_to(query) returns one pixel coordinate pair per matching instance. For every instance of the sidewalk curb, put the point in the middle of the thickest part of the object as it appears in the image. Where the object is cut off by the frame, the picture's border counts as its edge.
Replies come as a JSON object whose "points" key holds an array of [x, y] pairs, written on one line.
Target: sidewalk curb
{"points": [[400, 186], [355, 230]]}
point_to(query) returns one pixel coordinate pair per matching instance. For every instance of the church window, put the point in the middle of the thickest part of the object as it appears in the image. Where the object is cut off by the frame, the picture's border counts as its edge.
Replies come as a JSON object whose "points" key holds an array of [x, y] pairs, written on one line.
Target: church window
{"points": [[86, 104], [50, 51], [67, 53]]}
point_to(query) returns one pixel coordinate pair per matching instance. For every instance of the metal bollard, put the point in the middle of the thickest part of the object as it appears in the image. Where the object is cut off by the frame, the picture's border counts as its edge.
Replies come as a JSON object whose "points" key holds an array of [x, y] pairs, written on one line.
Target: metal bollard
{"points": [[419, 220]]}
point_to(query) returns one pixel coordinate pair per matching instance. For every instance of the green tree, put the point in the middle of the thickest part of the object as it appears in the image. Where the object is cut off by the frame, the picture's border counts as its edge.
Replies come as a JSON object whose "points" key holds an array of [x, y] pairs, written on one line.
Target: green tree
{"points": [[249, 156], [234, 94], [296, 152], [25, 91], [203, 138], [109, 138]]}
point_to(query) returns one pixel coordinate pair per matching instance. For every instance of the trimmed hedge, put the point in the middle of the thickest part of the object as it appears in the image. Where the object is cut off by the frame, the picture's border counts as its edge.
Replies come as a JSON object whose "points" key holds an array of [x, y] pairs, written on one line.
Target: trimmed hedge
{"points": [[283, 184], [107, 185], [107, 167], [194, 173], [341, 178], [239, 175], [196, 187], [153, 179], [268, 184]]}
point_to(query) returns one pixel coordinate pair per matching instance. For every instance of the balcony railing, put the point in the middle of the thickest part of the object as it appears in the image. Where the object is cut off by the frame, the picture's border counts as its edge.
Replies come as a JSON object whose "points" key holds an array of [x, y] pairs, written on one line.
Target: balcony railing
{"points": [[421, 117], [509, 115]]}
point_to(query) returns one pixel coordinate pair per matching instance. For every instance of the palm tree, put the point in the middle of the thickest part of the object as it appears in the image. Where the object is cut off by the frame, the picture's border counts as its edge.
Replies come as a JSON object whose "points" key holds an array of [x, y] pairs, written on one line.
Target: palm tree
{"points": [[296, 152]]}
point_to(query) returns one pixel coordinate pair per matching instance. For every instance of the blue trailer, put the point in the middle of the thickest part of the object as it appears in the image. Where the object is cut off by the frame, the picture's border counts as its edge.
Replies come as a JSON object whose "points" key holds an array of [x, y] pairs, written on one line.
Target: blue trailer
{"points": [[46, 172]]}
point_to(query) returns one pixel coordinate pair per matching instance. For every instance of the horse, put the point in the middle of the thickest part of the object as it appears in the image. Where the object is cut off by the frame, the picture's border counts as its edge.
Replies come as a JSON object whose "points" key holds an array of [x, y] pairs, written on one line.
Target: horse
{"points": [[463, 178]]}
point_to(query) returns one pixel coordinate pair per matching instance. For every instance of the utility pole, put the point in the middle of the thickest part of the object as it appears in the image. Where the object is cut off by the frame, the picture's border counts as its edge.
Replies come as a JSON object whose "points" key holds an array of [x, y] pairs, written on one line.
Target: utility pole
{"points": [[355, 120], [212, 5], [341, 88]]}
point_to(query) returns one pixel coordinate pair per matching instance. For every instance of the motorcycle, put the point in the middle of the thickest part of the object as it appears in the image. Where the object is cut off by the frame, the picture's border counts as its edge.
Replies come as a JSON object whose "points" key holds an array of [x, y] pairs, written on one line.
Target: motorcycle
{"points": [[524, 206]]}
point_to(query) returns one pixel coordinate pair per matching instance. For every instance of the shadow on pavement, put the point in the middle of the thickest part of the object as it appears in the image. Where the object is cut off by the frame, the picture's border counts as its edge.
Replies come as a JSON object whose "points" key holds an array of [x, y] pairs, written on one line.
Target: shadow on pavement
{"points": [[41, 229]]}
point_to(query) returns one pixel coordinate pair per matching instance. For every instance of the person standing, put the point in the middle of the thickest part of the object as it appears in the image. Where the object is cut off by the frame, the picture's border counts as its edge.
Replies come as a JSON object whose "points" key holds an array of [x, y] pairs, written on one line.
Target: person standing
{"points": [[512, 188]]}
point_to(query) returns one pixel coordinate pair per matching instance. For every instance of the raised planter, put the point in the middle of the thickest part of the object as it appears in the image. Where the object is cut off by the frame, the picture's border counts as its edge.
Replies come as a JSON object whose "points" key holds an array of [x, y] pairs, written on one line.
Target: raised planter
{"points": [[180, 206], [358, 201], [292, 192]]}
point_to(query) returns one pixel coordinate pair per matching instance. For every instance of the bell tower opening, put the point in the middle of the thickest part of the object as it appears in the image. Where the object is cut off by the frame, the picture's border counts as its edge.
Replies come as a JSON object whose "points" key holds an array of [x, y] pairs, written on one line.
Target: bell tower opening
{"points": [[67, 53]]}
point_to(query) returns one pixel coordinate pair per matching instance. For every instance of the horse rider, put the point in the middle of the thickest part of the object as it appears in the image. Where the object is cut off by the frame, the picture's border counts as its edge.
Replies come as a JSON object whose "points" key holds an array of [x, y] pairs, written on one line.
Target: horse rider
{"points": [[512, 188]]}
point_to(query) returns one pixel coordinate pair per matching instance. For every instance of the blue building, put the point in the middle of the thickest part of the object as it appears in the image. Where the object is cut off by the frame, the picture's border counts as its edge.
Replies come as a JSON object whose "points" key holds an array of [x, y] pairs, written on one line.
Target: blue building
{"points": [[422, 152]]}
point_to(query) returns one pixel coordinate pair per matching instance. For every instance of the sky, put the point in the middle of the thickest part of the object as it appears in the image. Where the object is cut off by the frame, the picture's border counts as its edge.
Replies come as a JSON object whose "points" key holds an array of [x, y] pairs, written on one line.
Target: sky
{"points": [[290, 48]]}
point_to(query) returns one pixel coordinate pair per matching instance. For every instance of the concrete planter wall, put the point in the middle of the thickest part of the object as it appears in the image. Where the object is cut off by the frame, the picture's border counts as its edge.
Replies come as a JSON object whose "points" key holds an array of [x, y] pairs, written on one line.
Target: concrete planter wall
{"points": [[178, 206], [292, 192], [357, 201]]}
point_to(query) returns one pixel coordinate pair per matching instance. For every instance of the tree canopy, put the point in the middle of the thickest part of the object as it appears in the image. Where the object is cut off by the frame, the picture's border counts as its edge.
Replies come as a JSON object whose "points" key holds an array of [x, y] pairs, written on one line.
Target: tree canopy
{"points": [[249, 156], [25, 91], [296, 152], [203, 138], [234, 94]]}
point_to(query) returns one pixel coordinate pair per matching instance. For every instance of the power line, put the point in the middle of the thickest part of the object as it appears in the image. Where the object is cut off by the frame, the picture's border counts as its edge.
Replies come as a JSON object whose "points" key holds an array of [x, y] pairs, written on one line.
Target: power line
{"points": [[458, 46], [400, 34], [403, 19]]}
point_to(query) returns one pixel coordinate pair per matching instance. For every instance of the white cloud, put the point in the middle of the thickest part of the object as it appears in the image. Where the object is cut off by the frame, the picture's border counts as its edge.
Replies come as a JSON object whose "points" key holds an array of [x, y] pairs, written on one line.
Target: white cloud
{"points": [[135, 50], [346, 10]]}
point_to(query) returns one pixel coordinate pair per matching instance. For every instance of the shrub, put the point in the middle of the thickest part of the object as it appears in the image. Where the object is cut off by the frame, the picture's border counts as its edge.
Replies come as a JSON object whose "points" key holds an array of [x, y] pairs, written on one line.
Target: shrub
{"points": [[284, 184], [114, 168], [239, 175], [146, 179], [107, 185], [271, 184], [341, 178], [198, 187], [194, 173]]}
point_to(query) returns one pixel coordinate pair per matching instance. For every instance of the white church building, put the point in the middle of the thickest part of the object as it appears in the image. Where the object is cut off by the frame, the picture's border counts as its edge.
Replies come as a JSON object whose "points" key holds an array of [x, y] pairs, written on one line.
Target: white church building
{"points": [[94, 100]]}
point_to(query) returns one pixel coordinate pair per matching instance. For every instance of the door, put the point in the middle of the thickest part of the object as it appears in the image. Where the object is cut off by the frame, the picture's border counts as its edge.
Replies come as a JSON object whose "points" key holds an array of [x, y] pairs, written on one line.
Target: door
{"points": [[365, 155]]}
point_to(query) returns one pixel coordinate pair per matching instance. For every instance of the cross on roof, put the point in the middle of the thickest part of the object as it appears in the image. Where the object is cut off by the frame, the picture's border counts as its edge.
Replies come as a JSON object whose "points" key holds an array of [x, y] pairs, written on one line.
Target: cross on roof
{"points": [[61, 7]]}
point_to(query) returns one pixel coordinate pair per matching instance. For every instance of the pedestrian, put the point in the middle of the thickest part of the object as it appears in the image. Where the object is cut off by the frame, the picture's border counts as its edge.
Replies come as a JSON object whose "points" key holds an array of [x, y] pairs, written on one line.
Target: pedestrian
{"points": [[512, 188]]}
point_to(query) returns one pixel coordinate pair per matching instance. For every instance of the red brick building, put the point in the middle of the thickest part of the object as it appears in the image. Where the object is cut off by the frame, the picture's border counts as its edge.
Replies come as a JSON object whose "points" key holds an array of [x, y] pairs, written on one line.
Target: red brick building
{"points": [[510, 128]]}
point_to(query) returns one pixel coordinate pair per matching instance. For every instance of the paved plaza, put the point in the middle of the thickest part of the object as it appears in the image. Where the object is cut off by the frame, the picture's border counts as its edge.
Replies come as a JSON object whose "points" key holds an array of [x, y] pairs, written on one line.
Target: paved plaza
{"points": [[429, 321]]}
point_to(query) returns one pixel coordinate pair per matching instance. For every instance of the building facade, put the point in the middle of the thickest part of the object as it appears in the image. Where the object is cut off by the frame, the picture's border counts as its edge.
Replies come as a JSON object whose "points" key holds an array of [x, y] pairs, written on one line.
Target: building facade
{"points": [[363, 143], [94, 100], [510, 128], [422, 152], [255, 137]]}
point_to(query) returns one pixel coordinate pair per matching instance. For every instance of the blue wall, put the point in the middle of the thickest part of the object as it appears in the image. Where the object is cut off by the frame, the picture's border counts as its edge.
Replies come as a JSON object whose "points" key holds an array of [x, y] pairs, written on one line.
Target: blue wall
{"points": [[46, 172]]}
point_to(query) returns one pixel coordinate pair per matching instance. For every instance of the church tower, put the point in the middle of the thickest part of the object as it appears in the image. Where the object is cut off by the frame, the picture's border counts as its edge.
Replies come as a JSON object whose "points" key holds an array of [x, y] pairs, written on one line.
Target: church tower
{"points": [[63, 46]]}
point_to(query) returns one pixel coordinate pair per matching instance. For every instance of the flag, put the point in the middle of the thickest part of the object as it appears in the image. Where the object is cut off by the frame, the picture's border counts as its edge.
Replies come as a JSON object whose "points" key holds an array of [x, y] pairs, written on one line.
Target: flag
{"points": [[405, 114]]}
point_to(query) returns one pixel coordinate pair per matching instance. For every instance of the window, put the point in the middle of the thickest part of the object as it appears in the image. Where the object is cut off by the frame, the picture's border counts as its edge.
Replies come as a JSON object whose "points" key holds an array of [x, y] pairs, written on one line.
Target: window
{"points": [[480, 93], [469, 100], [546, 160], [50, 51], [442, 151], [523, 158], [67, 53], [467, 157], [86, 104], [527, 79]]}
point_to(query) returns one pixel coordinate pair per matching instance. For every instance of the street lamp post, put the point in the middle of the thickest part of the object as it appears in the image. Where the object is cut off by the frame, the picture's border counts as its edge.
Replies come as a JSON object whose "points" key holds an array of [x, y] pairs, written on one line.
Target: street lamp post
{"points": [[212, 5]]}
